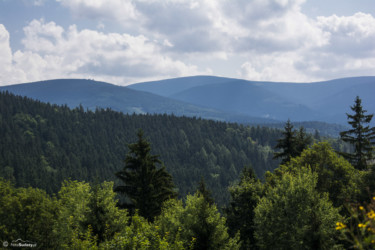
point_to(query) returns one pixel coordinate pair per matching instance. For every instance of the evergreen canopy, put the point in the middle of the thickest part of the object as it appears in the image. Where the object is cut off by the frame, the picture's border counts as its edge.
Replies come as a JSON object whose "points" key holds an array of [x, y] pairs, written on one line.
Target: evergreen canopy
{"points": [[145, 185], [361, 136], [292, 143]]}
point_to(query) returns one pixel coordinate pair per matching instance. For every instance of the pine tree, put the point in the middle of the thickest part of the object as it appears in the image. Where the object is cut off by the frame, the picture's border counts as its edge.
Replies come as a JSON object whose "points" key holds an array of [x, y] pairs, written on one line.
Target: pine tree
{"points": [[240, 211], [288, 144], [202, 190], [145, 185], [361, 136], [292, 144], [303, 140]]}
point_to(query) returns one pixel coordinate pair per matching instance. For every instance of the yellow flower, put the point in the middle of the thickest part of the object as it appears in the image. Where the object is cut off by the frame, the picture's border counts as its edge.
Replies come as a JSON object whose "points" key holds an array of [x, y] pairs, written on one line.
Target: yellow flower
{"points": [[340, 225], [361, 208], [373, 198], [371, 214], [360, 225]]}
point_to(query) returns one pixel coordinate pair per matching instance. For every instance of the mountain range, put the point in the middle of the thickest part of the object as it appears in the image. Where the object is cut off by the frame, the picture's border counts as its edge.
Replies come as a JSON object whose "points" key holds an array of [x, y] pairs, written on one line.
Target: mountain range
{"points": [[93, 94], [210, 97], [326, 101]]}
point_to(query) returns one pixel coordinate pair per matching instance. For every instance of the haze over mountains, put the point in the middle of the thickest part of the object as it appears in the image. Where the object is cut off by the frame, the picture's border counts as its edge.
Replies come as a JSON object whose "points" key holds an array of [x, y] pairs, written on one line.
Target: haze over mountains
{"points": [[92, 94], [326, 101], [210, 97]]}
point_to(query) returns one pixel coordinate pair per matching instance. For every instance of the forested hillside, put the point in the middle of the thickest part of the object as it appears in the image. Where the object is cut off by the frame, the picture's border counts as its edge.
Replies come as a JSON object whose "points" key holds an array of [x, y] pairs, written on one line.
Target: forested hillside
{"points": [[315, 199], [42, 145]]}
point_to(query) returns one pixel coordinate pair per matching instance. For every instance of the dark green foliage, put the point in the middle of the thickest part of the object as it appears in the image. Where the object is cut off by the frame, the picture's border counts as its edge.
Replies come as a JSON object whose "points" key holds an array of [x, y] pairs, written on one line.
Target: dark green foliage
{"points": [[288, 144], [303, 140], [294, 215], [292, 143], [318, 129], [102, 215], [202, 189], [27, 214], [240, 212], [41, 145], [361, 136], [335, 175], [145, 184]]}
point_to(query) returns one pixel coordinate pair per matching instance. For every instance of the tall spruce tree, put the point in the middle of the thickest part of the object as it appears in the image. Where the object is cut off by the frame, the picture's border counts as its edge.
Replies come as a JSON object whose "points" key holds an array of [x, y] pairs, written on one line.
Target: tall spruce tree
{"points": [[292, 143], [240, 211], [303, 140], [361, 136], [287, 144], [146, 185], [206, 193]]}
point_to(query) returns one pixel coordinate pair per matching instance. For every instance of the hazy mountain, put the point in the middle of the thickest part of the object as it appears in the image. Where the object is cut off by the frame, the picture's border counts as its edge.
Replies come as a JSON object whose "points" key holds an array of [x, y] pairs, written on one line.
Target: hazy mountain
{"points": [[92, 94], [217, 98], [326, 101], [172, 86], [244, 98]]}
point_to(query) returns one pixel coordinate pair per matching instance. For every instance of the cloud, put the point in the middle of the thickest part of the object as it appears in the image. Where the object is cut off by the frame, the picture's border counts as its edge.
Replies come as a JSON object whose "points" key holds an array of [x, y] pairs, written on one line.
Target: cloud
{"points": [[350, 35], [261, 39], [324, 48], [38, 2], [349, 51], [5, 51], [121, 10], [273, 67], [52, 52], [41, 37], [8, 74], [210, 26]]}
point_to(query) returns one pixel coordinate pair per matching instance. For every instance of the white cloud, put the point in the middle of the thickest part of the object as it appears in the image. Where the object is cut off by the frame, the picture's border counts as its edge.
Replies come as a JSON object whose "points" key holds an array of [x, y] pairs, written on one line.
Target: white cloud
{"points": [[352, 35], [273, 67], [261, 39], [42, 37], [52, 52], [349, 51], [8, 74], [122, 10], [5, 51], [211, 26]]}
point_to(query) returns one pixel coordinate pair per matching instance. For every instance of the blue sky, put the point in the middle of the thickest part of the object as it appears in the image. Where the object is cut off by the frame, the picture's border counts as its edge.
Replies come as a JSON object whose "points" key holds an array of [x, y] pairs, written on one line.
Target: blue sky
{"points": [[124, 42]]}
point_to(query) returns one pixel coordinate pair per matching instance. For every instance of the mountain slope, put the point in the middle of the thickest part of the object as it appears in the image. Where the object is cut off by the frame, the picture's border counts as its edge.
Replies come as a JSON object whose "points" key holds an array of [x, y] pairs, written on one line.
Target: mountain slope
{"points": [[326, 101], [91, 94], [249, 99], [42, 144], [170, 87]]}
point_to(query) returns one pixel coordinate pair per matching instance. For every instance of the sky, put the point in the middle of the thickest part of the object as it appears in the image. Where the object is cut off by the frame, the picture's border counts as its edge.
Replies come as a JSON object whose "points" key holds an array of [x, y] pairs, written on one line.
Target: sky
{"points": [[129, 41]]}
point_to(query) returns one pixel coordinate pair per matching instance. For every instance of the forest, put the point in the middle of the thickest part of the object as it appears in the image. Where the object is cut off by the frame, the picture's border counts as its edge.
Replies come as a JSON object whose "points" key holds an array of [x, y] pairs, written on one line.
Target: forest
{"points": [[80, 179], [42, 145]]}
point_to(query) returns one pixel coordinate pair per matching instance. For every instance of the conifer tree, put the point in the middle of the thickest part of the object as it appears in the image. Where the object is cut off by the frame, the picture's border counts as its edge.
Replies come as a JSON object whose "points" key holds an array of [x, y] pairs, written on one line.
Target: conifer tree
{"points": [[145, 185], [361, 136], [292, 144], [303, 140], [288, 144], [240, 211], [202, 190]]}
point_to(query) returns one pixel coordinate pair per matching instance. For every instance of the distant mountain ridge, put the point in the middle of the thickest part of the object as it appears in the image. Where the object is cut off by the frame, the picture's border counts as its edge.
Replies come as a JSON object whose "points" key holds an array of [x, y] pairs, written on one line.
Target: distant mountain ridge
{"points": [[325, 101], [93, 94], [216, 98]]}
